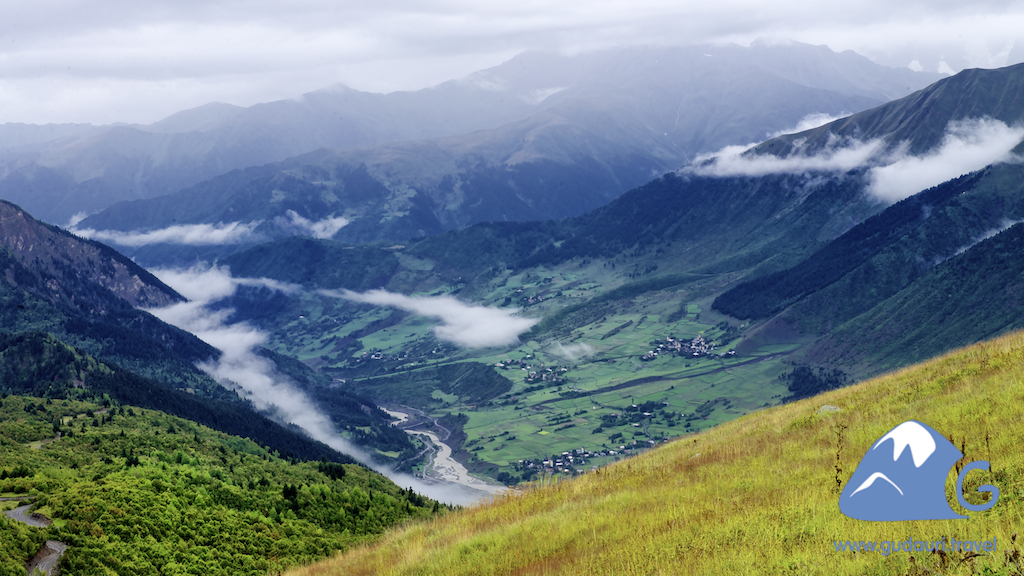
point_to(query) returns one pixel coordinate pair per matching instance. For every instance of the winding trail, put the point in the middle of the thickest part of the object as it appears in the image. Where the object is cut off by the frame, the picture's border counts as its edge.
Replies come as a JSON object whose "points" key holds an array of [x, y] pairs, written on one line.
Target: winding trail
{"points": [[47, 560], [21, 514]]}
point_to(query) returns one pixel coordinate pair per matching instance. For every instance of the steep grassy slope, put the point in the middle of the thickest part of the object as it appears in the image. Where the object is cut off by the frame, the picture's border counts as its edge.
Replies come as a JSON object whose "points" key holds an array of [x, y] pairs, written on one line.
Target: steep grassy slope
{"points": [[758, 495]]}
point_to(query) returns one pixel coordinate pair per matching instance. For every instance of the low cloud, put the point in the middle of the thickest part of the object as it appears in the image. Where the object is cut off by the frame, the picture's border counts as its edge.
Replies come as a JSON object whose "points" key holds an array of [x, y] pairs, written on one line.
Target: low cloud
{"points": [[323, 229], [210, 234], [809, 122], [839, 155], [239, 366], [205, 284], [572, 351], [464, 324], [242, 369], [75, 219], [187, 234], [968, 145], [1004, 225]]}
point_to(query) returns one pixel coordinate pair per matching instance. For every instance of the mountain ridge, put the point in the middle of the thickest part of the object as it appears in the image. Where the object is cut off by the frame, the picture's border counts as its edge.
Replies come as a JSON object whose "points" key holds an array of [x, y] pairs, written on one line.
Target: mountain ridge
{"points": [[92, 172], [921, 118]]}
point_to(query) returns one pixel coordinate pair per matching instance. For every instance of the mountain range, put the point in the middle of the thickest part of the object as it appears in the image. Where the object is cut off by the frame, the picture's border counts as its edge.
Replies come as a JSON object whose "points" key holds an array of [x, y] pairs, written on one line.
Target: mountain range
{"points": [[541, 136], [61, 293]]}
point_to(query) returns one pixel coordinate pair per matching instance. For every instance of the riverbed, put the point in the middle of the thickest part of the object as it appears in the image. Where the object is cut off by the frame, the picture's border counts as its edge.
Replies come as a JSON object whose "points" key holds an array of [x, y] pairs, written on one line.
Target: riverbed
{"points": [[442, 466]]}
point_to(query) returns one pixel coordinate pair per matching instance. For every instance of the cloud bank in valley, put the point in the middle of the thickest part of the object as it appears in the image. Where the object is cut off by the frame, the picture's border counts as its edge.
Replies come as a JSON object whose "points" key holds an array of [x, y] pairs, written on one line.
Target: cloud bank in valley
{"points": [[217, 234], [185, 234], [241, 368], [893, 174], [464, 324]]}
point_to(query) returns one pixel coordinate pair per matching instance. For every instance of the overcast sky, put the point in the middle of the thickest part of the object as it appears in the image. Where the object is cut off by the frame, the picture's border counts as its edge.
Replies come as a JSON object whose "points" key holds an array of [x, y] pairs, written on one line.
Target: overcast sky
{"points": [[132, 61]]}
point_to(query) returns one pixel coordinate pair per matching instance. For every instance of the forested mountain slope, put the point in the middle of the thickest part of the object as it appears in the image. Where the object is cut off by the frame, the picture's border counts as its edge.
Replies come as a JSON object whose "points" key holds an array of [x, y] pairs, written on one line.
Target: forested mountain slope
{"points": [[136, 490]]}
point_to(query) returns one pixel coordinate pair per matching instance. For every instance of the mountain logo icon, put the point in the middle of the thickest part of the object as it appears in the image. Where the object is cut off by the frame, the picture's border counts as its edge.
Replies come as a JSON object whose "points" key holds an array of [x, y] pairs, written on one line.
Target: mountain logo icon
{"points": [[903, 477]]}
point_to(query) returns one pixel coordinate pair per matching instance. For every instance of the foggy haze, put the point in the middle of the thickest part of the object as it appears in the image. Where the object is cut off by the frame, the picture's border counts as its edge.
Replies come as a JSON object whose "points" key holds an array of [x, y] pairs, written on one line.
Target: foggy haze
{"points": [[241, 368], [125, 61], [185, 234], [210, 234]]}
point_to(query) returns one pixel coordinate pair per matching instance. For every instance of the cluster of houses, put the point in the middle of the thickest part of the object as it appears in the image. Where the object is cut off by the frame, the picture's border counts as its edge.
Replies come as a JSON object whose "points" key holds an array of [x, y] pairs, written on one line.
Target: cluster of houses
{"points": [[568, 462], [380, 355], [572, 462], [695, 348], [552, 375], [376, 354], [540, 375]]}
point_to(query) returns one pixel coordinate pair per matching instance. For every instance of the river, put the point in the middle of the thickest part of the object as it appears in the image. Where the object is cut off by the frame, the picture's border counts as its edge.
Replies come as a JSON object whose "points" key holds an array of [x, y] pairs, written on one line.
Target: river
{"points": [[442, 466]]}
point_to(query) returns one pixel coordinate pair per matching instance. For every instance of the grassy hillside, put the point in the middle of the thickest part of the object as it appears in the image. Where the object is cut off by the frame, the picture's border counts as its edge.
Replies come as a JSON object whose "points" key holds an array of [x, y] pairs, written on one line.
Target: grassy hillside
{"points": [[755, 495]]}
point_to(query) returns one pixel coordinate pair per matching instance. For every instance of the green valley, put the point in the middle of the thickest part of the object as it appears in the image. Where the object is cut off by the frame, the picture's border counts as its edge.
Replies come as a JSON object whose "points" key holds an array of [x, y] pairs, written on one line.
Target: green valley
{"points": [[684, 303]]}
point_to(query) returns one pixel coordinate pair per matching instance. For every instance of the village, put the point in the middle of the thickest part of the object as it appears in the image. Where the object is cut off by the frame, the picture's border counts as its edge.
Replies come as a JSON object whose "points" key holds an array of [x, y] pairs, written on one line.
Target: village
{"points": [[575, 461], [697, 347], [552, 375]]}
